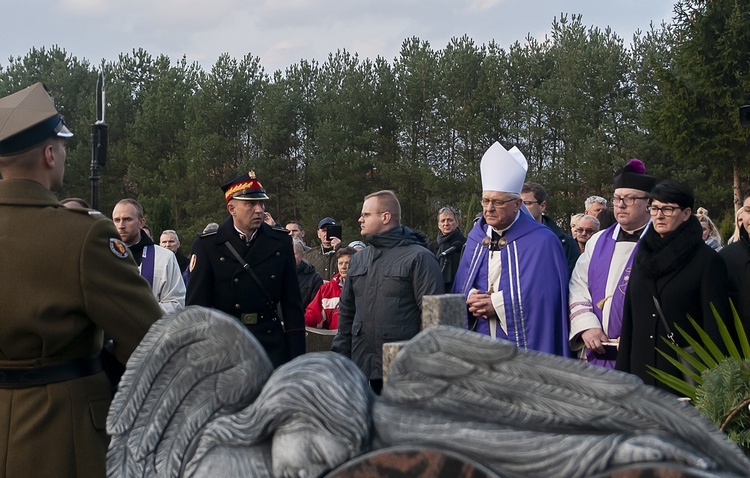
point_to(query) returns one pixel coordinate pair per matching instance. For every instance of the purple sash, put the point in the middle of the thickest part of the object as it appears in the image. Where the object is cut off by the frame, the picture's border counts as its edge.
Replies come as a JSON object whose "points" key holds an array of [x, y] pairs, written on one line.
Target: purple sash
{"points": [[147, 264], [601, 261]]}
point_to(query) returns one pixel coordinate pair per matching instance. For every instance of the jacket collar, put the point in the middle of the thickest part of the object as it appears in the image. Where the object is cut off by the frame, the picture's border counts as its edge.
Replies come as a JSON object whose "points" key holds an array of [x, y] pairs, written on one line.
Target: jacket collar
{"points": [[265, 243], [397, 236], [26, 192]]}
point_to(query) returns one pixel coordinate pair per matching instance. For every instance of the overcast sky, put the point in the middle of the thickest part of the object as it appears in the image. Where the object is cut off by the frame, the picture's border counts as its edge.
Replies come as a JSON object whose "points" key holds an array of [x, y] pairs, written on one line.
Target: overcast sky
{"points": [[282, 32]]}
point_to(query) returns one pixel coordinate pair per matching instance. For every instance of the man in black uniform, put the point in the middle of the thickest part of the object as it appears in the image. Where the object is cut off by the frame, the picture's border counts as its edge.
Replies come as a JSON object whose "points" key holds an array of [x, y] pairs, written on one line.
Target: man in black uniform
{"points": [[247, 269]]}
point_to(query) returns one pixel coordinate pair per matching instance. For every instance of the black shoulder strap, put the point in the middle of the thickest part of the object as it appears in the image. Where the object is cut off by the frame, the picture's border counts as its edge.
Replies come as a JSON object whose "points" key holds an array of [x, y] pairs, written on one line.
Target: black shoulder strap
{"points": [[670, 334], [250, 271]]}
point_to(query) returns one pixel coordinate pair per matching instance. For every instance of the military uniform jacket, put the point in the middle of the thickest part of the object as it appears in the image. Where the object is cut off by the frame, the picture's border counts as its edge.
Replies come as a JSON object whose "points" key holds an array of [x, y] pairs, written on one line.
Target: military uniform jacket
{"points": [[218, 280], [65, 277]]}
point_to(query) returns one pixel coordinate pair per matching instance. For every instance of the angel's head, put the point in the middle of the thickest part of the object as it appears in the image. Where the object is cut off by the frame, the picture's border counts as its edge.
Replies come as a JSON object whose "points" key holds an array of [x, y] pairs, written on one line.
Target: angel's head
{"points": [[301, 451], [318, 409]]}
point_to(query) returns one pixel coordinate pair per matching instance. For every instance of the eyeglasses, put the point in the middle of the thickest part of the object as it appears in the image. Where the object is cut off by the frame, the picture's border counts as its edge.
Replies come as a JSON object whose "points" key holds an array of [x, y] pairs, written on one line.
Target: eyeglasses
{"points": [[627, 200], [666, 210], [368, 214], [529, 203], [587, 230], [496, 203]]}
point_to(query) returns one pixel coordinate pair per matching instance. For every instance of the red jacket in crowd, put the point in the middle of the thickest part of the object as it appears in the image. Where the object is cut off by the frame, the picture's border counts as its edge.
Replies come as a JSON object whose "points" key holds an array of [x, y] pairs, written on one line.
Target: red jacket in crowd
{"points": [[323, 311]]}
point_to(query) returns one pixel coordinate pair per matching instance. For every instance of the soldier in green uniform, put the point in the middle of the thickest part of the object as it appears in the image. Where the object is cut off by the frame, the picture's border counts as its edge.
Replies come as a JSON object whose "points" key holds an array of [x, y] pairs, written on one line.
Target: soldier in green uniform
{"points": [[66, 279], [246, 268]]}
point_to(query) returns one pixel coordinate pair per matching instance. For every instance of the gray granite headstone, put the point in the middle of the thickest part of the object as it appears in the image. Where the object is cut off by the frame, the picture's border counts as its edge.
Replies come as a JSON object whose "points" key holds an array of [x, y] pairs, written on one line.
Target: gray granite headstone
{"points": [[446, 309], [390, 351]]}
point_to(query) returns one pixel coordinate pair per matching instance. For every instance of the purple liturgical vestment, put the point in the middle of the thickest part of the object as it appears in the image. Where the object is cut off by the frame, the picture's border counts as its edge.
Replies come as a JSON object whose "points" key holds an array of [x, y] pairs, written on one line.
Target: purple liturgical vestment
{"points": [[599, 271], [533, 281]]}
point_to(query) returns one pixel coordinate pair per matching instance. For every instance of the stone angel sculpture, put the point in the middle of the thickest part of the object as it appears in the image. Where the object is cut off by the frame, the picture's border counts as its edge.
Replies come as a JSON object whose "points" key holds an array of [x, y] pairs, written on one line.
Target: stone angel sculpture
{"points": [[199, 398], [525, 414]]}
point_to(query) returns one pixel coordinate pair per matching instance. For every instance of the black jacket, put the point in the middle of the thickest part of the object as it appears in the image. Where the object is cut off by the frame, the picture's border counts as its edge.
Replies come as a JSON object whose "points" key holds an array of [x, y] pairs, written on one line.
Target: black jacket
{"points": [[309, 282], [382, 296], [183, 261], [448, 262], [218, 280], [686, 276], [737, 258], [572, 252]]}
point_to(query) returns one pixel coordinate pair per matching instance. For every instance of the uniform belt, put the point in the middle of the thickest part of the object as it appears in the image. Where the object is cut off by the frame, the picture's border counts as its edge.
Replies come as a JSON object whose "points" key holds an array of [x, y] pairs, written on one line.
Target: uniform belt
{"points": [[22, 377]]}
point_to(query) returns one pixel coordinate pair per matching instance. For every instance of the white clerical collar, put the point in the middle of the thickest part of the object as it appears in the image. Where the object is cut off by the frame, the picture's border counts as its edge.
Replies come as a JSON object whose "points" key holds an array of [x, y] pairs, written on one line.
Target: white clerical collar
{"points": [[616, 230], [502, 231]]}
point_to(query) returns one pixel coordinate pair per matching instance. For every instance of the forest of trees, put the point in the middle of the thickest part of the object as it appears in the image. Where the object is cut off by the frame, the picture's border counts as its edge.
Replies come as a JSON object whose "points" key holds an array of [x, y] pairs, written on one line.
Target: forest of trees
{"points": [[320, 136]]}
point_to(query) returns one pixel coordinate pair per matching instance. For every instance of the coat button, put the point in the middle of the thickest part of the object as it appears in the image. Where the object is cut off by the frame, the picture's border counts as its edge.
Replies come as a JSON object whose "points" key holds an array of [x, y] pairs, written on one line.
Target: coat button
{"points": [[236, 280], [653, 315], [651, 336], [221, 259], [236, 306], [273, 276], [278, 254]]}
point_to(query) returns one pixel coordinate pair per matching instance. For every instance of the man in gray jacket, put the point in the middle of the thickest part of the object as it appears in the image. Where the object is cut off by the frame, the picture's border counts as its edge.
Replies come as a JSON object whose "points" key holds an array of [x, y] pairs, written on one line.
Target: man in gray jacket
{"points": [[382, 297]]}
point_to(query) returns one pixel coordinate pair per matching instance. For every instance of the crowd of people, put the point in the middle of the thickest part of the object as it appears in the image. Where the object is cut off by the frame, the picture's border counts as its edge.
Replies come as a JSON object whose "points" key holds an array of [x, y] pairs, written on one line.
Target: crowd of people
{"points": [[626, 277], [629, 273]]}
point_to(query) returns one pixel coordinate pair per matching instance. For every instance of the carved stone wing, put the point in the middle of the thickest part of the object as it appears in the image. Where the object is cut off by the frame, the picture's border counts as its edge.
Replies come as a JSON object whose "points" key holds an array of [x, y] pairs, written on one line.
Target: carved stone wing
{"points": [[526, 411], [190, 368]]}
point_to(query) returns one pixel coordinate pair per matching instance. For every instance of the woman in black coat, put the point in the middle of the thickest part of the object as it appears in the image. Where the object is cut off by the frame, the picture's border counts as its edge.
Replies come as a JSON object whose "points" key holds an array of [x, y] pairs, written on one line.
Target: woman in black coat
{"points": [[676, 268], [449, 244]]}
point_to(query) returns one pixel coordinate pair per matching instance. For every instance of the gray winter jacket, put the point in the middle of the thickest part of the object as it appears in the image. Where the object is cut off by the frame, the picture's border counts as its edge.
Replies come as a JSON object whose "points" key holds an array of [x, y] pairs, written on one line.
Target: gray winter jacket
{"points": [[382, 297]]}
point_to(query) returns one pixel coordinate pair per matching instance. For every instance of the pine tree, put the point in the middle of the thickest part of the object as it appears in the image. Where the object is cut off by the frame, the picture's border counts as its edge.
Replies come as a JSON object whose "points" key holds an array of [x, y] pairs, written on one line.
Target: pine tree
{"points": [[696, 113]]}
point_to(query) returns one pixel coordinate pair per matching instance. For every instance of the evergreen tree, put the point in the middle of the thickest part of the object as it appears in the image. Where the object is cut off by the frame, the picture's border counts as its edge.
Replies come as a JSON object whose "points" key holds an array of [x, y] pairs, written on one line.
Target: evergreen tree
{"points": [[695, 114]]}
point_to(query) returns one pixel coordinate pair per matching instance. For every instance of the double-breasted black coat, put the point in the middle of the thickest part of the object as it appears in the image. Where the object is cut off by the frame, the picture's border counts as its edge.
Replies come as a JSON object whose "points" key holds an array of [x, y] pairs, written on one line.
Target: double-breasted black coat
{"points": [[218, 280]]}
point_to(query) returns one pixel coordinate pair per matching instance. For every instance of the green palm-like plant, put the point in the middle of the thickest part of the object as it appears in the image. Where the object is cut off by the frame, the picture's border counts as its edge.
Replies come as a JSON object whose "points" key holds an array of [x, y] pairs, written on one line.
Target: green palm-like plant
{"points": [[717, 384]]}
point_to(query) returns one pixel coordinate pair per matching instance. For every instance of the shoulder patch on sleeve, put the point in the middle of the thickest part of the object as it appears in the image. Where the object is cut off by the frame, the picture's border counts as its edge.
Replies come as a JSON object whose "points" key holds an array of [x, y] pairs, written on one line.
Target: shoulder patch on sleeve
{"points": [[193, 260], [118, 248]]}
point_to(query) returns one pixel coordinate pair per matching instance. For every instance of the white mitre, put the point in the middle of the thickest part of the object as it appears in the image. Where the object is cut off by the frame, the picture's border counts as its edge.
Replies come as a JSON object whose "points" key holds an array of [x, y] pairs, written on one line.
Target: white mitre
{"points": [[503, 170]]}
